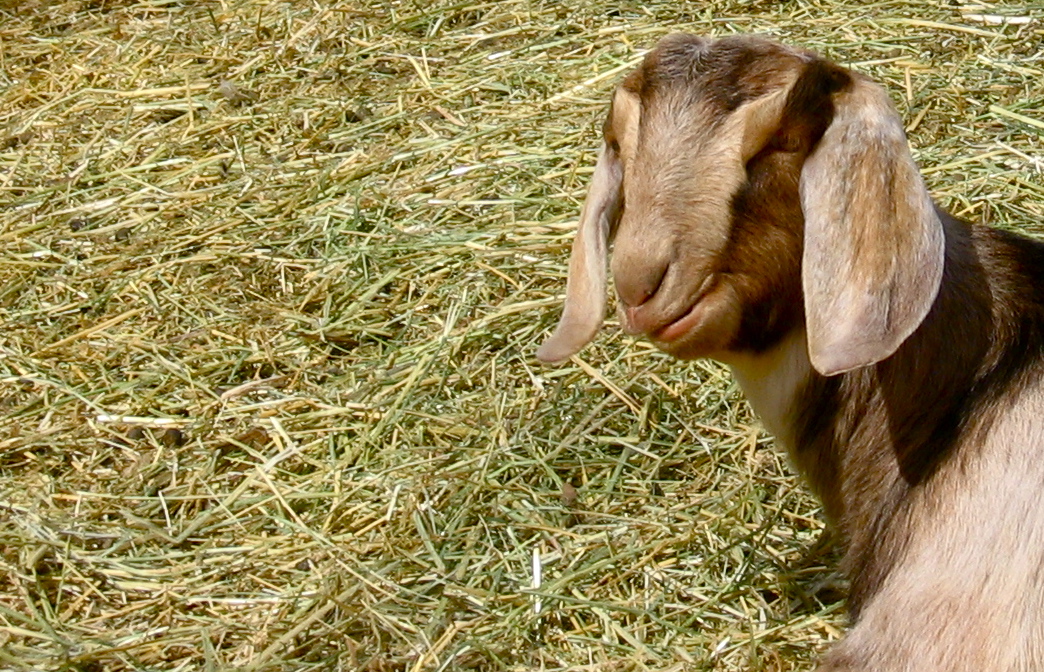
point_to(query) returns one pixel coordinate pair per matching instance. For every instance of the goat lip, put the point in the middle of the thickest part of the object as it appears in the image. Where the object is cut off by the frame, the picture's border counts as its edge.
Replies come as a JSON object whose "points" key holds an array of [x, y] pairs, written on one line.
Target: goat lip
{"points": [[688, 319], [681, 326]]}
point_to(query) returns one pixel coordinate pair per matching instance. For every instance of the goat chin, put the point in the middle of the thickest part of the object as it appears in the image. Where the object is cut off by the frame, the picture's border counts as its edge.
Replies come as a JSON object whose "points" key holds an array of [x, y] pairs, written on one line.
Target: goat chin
{"points": [[895, 351]]}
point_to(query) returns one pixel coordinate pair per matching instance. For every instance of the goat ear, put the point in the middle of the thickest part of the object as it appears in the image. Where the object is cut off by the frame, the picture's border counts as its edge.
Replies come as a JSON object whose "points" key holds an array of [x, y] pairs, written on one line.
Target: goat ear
{"points": [[586, 286], [874, 244]]}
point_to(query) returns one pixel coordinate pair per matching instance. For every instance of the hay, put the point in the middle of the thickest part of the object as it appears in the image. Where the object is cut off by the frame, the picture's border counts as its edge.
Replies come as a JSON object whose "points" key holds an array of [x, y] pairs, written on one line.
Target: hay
{"points": [[271, 278]]}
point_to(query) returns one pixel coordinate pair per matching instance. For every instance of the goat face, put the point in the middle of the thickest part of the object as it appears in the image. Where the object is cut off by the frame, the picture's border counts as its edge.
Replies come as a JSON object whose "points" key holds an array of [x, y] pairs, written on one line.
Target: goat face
{"points": [[751, 189]]}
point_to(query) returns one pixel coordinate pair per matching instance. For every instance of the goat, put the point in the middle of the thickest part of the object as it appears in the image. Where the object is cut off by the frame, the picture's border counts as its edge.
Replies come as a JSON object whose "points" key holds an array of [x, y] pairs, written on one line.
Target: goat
{"points": [[765, 211]]}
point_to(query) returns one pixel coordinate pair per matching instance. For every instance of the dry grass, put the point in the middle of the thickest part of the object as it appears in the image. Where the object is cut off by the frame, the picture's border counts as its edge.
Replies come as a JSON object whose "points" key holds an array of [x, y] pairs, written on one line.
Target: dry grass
{"points": [[271, 278]]}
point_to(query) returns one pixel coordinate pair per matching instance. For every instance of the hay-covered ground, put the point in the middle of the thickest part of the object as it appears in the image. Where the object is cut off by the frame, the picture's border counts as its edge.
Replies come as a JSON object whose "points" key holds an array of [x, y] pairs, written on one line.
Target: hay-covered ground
{"points": [[271, 279]]}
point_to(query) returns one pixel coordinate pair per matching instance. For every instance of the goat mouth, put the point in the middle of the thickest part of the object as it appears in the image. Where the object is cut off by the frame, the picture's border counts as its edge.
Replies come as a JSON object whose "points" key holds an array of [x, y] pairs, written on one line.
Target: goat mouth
{"points": [[688, 319], [680, 326]]}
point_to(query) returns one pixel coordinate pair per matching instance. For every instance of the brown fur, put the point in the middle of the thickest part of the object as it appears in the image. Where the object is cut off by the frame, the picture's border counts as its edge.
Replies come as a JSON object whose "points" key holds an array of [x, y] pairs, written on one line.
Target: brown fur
{"points": [[770, 208]]}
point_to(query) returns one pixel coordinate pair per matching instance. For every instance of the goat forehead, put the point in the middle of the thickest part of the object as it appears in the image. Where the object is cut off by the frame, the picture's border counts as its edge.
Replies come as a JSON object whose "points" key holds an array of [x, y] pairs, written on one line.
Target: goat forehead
{"points": [[673, 116], [688, 135], [677, 123], [722, 73], [679, 176]]}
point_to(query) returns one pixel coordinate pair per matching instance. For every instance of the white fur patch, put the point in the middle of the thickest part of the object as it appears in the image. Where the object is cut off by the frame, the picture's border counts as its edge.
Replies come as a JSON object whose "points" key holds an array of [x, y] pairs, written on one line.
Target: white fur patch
{"points": [[771, 382]]}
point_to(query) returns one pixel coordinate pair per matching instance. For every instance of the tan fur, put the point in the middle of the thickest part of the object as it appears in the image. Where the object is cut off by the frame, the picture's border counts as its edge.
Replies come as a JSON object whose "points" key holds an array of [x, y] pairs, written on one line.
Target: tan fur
{"points": [[767, 213], [873, 255], [968, 593], [585, 288]]}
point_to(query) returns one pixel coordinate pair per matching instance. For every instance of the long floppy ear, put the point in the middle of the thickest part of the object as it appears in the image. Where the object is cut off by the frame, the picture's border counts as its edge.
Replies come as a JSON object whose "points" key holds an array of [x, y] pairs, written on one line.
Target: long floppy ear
{"points": [[874, 245], [586, 287]]}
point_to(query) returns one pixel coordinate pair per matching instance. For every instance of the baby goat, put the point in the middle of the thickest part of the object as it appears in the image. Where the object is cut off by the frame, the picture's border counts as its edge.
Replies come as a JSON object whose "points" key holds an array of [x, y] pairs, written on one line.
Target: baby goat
{"points": [[765, 211]]}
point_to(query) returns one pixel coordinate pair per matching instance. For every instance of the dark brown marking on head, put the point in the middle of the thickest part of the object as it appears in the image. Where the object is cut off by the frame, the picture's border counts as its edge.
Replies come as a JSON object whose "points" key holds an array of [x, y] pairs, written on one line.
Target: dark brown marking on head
{"points": [[810, 107]]}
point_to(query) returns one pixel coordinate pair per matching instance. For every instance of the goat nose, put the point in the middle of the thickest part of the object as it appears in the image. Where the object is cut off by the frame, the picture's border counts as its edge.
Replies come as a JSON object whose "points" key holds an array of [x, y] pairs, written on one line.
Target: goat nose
{"points": [[634, 289], [636, 286]]}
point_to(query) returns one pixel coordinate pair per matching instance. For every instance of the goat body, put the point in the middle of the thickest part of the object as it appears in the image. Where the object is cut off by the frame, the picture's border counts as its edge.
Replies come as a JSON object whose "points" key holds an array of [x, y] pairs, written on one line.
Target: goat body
{"points": [[765, 211]]}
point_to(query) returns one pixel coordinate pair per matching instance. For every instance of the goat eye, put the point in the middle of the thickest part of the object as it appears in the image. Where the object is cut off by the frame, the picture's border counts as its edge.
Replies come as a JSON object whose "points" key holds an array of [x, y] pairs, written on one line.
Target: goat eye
{"points": [[614, 146], [785, 142]]}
